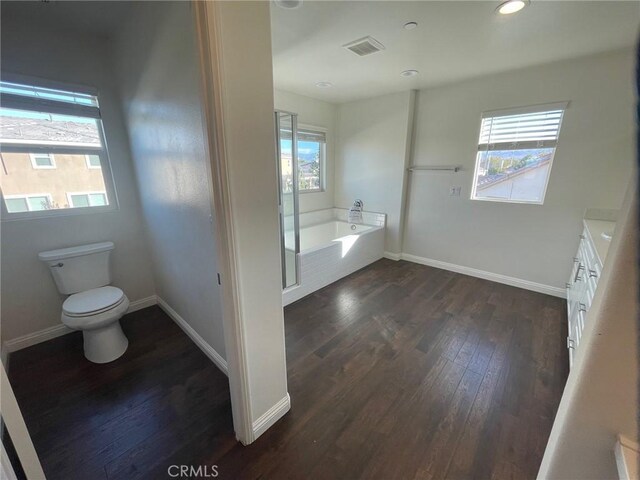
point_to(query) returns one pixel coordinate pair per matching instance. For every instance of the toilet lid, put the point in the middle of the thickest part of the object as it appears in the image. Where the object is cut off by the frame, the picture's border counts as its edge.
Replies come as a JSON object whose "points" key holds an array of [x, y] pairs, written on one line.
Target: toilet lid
{"points": [[92, 301]]}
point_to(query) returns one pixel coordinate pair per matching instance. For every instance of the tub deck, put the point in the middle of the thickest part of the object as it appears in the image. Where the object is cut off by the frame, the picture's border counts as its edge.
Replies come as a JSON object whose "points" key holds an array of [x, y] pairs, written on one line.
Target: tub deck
{"points": [[332, 250]]}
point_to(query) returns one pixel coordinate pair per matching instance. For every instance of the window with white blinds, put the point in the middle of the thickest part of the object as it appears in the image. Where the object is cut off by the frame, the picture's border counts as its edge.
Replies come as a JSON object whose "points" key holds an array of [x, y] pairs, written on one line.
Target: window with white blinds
{"points": [[312, 152], [515, 153], [526, 130], [52, 141]]}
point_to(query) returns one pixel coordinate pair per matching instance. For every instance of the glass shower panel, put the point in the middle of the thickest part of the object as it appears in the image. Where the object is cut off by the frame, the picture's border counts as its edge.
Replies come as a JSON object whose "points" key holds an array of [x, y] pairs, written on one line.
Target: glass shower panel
{"points": [[287, 152]]}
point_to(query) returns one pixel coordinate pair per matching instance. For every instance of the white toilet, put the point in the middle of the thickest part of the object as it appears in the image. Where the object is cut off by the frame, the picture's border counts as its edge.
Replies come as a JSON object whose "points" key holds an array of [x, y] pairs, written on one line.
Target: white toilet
{"points": [[93, 306]]}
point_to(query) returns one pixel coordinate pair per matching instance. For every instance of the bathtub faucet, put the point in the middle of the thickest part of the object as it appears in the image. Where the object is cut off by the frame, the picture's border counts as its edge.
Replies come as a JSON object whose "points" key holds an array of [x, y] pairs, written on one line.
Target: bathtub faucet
{"points": [[355, 212]]}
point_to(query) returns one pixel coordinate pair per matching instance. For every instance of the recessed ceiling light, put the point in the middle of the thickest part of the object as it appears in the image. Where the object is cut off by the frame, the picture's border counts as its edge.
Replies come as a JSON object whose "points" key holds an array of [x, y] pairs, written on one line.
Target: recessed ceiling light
{"points": [[288, 4], [410, 25], [409, 73], [324, 84], [511, 6]]}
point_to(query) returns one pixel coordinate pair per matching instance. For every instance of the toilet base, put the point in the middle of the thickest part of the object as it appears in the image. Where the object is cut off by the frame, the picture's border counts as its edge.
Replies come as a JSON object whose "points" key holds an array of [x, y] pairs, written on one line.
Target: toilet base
{"points": [[104, 345]]}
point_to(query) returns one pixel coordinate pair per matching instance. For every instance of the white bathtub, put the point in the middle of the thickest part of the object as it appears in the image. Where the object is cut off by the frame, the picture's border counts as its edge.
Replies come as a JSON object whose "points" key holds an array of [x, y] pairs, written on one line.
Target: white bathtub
{"points": [[332, 250]]}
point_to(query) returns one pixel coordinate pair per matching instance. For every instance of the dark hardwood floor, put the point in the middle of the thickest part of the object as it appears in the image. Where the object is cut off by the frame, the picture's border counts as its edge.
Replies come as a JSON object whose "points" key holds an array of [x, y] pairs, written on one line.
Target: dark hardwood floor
{"points": [[119, 420], [397, 371]]}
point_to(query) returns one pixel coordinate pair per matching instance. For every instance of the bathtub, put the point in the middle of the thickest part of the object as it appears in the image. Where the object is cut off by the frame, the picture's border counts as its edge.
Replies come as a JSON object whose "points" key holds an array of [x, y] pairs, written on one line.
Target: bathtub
{"points": [[332, 250]]}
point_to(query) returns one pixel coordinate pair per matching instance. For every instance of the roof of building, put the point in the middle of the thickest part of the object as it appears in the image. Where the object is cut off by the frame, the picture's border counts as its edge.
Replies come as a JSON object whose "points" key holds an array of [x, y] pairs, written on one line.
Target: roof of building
{"points": [[490, 180], [35, 130]]}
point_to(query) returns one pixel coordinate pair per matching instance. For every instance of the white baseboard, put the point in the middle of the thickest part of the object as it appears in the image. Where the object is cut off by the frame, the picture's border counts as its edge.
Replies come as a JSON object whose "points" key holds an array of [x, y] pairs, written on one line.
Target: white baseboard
{"points": [[494, 277], [392, 256], [142, 303], [40, 336], [4, 356], [271, 416], [34, 338], [207, 349], [6, 469]]}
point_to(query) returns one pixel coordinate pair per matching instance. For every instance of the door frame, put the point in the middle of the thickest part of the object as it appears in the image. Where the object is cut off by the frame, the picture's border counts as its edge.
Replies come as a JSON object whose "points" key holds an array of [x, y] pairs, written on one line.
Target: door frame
{"points": [[17, 428], [207, 33]]}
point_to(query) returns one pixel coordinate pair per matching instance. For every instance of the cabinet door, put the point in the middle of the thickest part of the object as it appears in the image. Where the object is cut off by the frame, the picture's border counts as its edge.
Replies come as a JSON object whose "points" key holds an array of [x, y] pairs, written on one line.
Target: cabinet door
{"points": [[576, 292], [580, 302], [573, 331], [590, 251], [571, 287], [581, 289]]}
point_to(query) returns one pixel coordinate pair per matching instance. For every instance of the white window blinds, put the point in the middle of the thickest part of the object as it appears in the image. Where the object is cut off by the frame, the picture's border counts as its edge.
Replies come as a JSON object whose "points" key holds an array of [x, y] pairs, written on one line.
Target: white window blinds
{"points": [[306, 135], [25, 97], [532, 127], [311, 136]]}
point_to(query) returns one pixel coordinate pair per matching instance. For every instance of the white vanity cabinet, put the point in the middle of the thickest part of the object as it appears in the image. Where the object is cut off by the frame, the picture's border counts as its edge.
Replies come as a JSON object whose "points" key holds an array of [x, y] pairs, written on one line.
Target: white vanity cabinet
{"points": [[582, 284]]}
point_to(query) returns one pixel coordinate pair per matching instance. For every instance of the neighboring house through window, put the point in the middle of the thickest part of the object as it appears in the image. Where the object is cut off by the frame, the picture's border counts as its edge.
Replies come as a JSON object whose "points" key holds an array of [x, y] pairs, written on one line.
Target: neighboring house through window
{"points": [[515, 153], [51, 140]]}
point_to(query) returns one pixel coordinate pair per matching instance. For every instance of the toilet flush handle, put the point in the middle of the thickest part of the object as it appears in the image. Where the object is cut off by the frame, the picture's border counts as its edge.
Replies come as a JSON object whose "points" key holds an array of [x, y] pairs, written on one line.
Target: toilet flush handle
{"points": [[58, 265]]}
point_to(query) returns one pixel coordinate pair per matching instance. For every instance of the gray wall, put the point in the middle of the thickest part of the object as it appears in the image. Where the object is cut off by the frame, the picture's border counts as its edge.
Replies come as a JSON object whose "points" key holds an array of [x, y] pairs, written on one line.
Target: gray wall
{"points": [[156, 60], [592, 164], [372, 153], [30, 301]]}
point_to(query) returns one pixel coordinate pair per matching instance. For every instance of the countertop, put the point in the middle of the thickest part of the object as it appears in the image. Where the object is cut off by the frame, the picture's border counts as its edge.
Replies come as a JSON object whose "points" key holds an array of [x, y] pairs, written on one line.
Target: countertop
{"points": [[595, 228]]}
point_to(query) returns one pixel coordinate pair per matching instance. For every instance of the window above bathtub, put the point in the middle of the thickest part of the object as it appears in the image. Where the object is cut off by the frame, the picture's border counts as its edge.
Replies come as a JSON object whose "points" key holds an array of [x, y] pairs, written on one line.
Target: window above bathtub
{"points": [[515, 153], [52, 147], [312, 152]]}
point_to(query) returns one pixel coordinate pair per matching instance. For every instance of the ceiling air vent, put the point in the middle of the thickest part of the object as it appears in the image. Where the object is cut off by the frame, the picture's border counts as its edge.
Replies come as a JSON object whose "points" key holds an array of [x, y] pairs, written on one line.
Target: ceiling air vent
{"points": [[364, 46]]}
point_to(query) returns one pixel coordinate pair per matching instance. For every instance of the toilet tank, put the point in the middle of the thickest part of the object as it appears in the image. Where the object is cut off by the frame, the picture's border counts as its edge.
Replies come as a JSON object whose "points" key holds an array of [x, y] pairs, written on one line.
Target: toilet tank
{"points": [[76, 269]]}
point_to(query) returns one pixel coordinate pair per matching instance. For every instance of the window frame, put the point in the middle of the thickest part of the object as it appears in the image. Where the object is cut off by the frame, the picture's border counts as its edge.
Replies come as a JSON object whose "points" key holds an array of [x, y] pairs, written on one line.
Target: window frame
{"points": [[27, 196], [517, 111], [35, 165], [88, 195], [323, 157], [17, 102]]}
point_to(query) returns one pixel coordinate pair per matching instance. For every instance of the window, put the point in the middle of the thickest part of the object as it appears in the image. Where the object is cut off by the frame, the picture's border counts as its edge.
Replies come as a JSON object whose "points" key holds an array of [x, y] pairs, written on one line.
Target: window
{"points": [[515, 153], [28, 203], [51, 141], [42, 160], [312, 146], [93, 161], [87, 199]]}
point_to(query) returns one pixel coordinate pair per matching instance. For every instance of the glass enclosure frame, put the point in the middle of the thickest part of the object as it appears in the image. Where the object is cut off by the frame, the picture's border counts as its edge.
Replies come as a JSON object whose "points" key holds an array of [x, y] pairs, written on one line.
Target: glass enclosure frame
{"points": [[293, 118]]}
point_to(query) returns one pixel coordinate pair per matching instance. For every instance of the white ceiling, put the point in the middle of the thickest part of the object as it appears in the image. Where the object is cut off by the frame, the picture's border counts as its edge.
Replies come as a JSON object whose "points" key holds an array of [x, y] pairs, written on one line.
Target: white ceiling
{"points": [[454, 40]]}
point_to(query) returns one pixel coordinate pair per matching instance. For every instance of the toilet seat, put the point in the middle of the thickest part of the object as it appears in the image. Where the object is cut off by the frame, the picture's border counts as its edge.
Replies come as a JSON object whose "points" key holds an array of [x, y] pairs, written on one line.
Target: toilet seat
{"points": [[96, 320], [93, 302], [103, 338]]}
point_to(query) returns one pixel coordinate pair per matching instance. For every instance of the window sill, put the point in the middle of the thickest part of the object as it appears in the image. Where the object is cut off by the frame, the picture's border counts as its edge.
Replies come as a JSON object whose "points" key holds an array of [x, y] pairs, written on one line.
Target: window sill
{"points": [[311, 191], [504, 200], [63, 212]]}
